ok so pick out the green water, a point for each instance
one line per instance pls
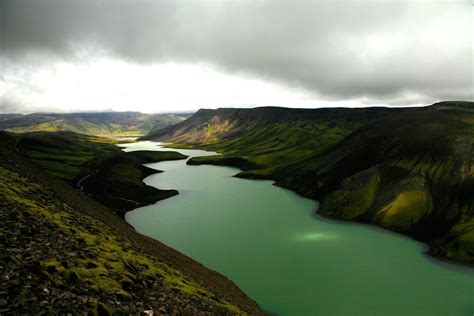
(268, 241)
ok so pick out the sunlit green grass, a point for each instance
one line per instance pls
(66, 155)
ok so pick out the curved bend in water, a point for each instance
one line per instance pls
(268, 242)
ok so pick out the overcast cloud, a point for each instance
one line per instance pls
(232, 53)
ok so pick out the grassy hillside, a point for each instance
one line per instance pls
(268, 137)
(67, 155)
(117, 182)
(412, 173)
(97, 167)
(62, 252)
(100, 124)
(207, 126)
(408, 170)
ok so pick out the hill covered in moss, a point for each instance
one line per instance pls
(408, 170)
(96, 166)
(269, 137)
(64, 253)
(412, 173)
(117, 182)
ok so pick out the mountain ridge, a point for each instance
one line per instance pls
(130, 123)
(228, 122)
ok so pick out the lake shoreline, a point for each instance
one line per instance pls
(432, 251)
(117, 182)
(130, 204)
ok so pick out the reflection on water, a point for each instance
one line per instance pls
(315, 236)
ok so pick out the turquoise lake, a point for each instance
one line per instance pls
(269, 241)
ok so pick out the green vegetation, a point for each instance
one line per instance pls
(408, 208)
(458, 243)
(272, 146)
(220, 160)
(146, 156)
(408, 170)
(98, 167)
(117, 182)
(356, 197)
(269, 138)
(67, 155)
(264, 151)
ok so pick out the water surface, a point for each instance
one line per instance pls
(268, 241)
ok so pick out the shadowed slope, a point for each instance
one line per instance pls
(98, 167)
(117, 182)
(412, 173)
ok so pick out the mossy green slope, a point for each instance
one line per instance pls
(117, 181)
(67, 155)
(411, 173)
(424, 165)
(98, 167)
(62, 252)
(268, 138)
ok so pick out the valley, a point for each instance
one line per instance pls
(244, 158)
(408, 170)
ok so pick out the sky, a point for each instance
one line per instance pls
(170, 56)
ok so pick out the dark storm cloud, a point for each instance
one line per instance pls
(394, 52)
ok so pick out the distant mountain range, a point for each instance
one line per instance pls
(410, 170)
(100, 123)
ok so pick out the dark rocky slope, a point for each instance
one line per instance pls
(117, 182)
(62, 252)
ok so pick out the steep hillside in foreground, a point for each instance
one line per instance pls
(100, 123)
(410, 171)
(62, 252)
